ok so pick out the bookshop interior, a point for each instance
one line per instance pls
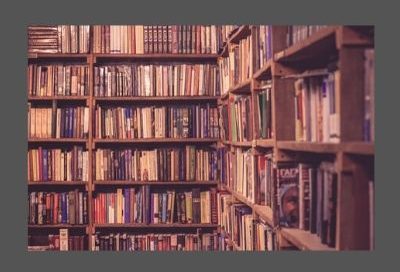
(200, 137)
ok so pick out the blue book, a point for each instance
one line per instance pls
(164, 207)
(127, 210)
(64, 208)
(152, 208)
(44, 168)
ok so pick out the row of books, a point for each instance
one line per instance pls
(240, 177)
(52, 208)
(163, 164)
(263, 112)
(139, 205)
(63, 241)
(153, 39)
(156, 80)
(369, 95)
(246, 232)
(61, 122)
(58, 39)
(196, 121)
(158, 242)
(298, 33)
(237, 67)
(58, 164)
(241, 118)
(224, 122)
(304, 195)
(58, 80)
(262, 41)
(316, 108)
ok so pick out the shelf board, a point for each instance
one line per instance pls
(265, 213)
(239, 197)
(359, 148)
(149, 226)
(172, 57)
(240, 34)
(242, 144)
(226, 142)
(57, 140)
(157, 140)
(264, 71)
(241, 88)
(59, 98)
(318, 44)
(265, 143)
(125, 182)
(309, 147)
(158, 98)
(56, 226)
(304, 240)
(57, 183)
(56, 56)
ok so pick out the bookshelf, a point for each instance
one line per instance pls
(353, 158)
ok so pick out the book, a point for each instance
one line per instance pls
(263, 111)
(240, 119)
(369, 95)
(298, 33)
(288, 194)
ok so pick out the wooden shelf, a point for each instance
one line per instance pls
(241, 88)
(318, 44)
(265, 213)
(57, 183)
(149, 226)
(157, 140)
(54, 140)
(240, 34)
(359, 148)
(309, 147)
(157, 98)
(265, 143)
(168, 57)
(242, 144)
(183, 183)
(56, 56)
(61, 226)
(238, 196)
(304, 240)
(59, 98)
(265, 71)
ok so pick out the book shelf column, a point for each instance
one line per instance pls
(90, 146)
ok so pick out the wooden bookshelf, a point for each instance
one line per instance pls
(351, 155)
(304, 240)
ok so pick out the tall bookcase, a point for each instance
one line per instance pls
(93, 186)
(353, 158)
